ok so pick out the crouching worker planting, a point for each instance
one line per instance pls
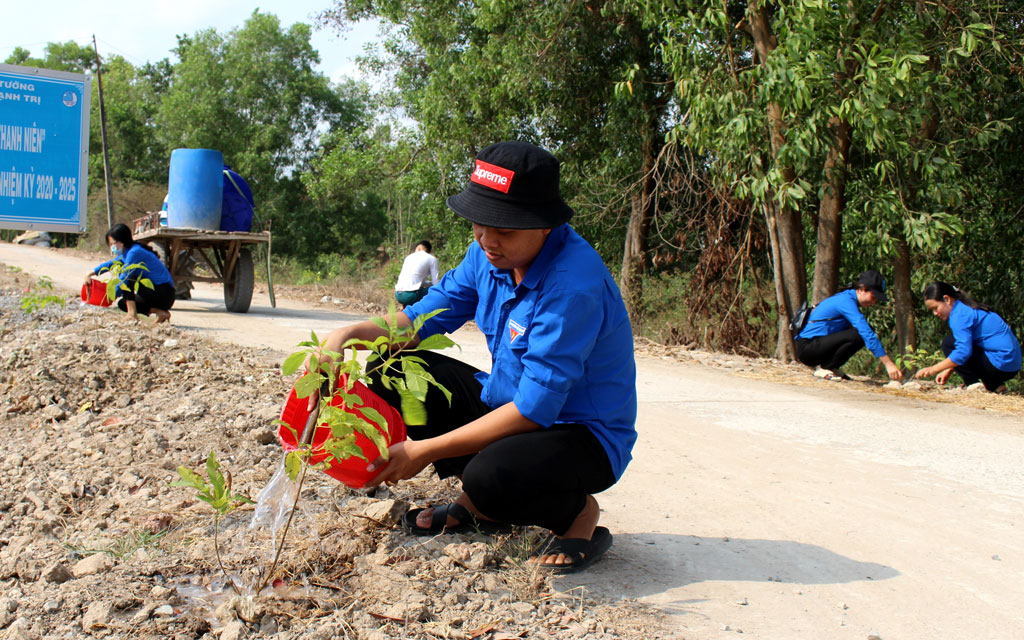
(552, 424)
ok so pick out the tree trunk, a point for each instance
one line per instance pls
(634, 256)
(643, 203)
(788, 245)
(784, 348)
(830, 213)
(906, 331)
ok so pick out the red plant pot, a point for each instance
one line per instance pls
(352, 471)
(95, 293)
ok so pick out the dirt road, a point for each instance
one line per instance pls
(771, 510)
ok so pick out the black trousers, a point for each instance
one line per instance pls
(161, 296)
(538, 478)
(831, 351)
(978, 367)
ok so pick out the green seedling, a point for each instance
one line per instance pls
(393, 364)
(117, 269)
(216, 492)
(916, 359)
(40, 296)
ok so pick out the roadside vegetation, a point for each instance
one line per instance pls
(728, 160)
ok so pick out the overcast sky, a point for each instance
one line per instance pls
(144, 31)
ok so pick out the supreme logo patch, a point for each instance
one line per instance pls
(492, 176)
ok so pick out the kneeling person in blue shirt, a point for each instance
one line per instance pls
(553, 422)
(836, 328)
(981, 347)
(134, 297)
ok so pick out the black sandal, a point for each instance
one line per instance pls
(581, 552)
(466, 522)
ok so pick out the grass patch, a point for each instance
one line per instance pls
(122, 546)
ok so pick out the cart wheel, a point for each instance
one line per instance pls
(238, 291)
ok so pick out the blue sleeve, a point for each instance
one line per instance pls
(961, 324)
(456, 293)
(104, 267)
(562, 336)
(851, 311)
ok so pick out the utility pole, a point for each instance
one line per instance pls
(103, 136)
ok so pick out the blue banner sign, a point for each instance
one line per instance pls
(44, 149)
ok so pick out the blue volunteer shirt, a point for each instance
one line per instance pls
(838, 313)
(561, 343)
(987, 331)
(137, 254)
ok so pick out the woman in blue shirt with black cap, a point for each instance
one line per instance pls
(981, 346)
(552, 423)
(836, 329)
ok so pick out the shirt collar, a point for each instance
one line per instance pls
(552, 246)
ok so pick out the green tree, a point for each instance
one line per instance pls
(581, 80)
(59, 56)
(815, 110)
(253, 94)
(132, 100)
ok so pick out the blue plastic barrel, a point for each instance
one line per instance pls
(195, 188)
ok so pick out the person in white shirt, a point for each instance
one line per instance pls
(419, 272)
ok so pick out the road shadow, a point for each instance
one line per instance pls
(646, 564)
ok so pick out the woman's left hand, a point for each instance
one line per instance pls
(943, 376)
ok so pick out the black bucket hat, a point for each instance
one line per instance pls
(875, 282)
(514, 185)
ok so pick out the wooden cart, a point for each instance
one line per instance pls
(223, 254)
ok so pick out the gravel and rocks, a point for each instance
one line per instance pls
(97, 415)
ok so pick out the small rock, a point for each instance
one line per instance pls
(265, 436)
(170, 343)
(157, 522)
(474, 555)
(54, 412)
(742, 602)
(96, 563)
(51, 606)
(21, 629)
(129, 479)
(143, 614)
(268, 625)
(159, 592)
(894, 384)
(522, 610)
(913, 385)
(57, 573)
(97, 615)
(386, 512)
(233, 630)
(874, 636)
(164, 611)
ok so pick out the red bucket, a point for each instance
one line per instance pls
(95, 293)
(352, 471)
